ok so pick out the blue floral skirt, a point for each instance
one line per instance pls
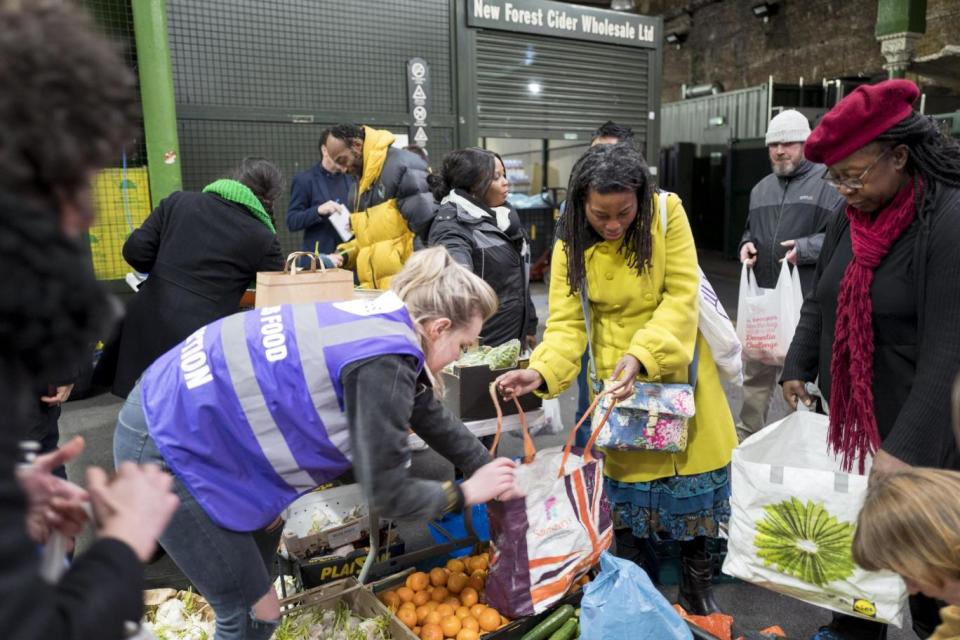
(679, 507)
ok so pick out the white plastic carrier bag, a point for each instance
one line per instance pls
(767, 318)
(793, 516)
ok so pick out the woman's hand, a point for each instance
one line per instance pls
(492, 480)
(518, 383)
(794, 391)
(624, 375)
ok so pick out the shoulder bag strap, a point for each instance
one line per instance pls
(662, 209)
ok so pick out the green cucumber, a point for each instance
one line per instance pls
(567, 632)
(551, 623)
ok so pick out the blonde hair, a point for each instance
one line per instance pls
(910, 524)
(433, 285)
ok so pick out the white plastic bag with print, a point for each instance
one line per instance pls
(767, 318)
(793, 516)
(714, 322)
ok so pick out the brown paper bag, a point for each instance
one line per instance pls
(292, 287)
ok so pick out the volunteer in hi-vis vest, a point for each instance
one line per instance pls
(258, 408)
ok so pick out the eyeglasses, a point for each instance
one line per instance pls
(853, 184)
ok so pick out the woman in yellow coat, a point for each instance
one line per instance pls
(643, 291)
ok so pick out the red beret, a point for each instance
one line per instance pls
(859, 118)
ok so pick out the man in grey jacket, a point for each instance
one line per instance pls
(789, 212)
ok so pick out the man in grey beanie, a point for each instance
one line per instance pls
(789, 212)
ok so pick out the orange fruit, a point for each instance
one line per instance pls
(431, 632)
(477, 609)
(477, 581)
(450, 626)
(468, 634)
(432, 618)
(438, 577)
(470, 623)
(456, 582)
(390, 599)
(405, 594)
(432, 605)
(439, 594)
(489, 620)
(417, 581)
(421, 597)
(422, 612)
(456, 566)
(453, 601)
(504, 620)
(469, 597)
(408, 617)
(444, 610)
(416, 631)
(477, 563)
(462, 612)
(584, 579)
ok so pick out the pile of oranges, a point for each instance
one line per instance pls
(447, 602)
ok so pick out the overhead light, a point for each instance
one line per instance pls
(716, 121)
(676, 37)
(765, 10)
(623, 5)
(534, 88)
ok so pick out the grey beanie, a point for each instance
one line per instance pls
(788, 126)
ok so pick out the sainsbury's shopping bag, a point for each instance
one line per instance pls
(543, 542)
(793, 515)
(767, 318)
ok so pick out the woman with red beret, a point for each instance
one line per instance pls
(881, 326)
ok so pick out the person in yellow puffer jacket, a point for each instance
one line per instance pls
(393, 201)
(642, 284)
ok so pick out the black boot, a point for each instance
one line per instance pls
(696, 575)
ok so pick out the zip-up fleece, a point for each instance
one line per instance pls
(798, 208)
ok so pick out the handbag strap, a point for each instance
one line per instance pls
(587, 448)
(529, 451)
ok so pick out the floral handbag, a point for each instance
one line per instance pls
(653, 418)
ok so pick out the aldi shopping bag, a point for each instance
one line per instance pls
(543, 542)
(297, 287)
(767, 318)
(622, 604)
(793, 515)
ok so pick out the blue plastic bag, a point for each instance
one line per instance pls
(622, 604)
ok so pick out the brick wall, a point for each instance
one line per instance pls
(813, 39)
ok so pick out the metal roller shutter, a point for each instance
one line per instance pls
(582, 84)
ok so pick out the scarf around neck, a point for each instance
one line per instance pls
(474, 210)
(241, 194)
(853, 423)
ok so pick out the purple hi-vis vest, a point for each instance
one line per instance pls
(248, 411)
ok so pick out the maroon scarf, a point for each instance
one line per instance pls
(853, 423)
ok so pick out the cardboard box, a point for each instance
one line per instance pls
(325, 569)
(467, 393)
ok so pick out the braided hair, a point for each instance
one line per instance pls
(607, 169)
(934, 157)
